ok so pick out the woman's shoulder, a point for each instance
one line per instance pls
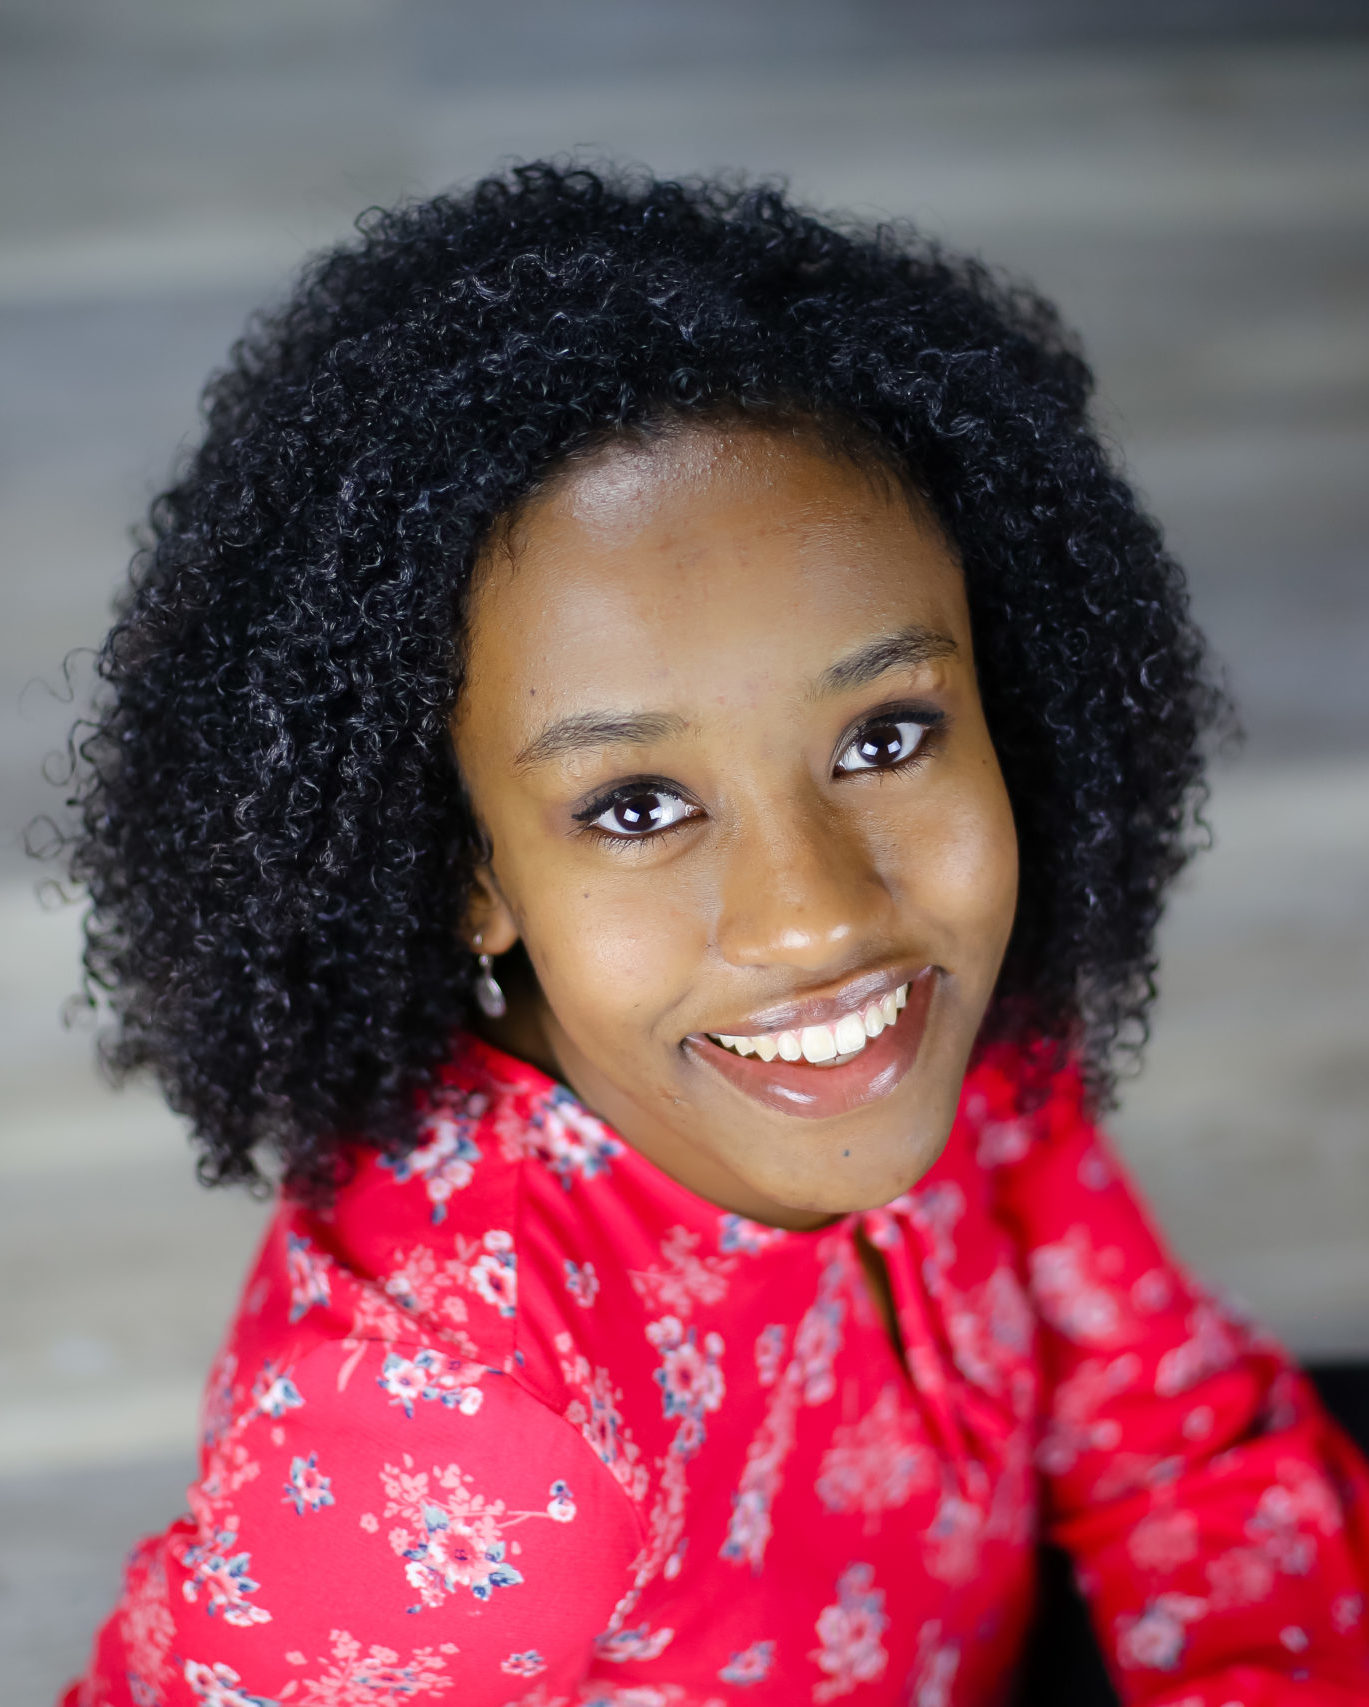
(1019, 1100)
(474, 1250)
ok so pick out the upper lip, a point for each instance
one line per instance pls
(800, 1011)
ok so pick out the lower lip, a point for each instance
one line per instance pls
(817, 1092)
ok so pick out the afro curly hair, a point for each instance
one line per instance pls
(270, 824)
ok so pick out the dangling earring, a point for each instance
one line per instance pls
(489, 997)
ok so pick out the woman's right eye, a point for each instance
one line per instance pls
(637, 812)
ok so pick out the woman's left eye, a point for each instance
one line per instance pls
(882, 745)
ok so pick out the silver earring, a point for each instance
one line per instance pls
(489, 998)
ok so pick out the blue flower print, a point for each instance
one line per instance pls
(275, 1394)
(308, 1274)
(307, 1489)
(751, 1665)
(568, 1138)
(446, 1157)
(430, 1375)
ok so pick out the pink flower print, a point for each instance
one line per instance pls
(561, 1505)
(217, 1686)
(526, 1664)
(451, 1545)
(1155, 1639)
(872, 1465)
(1002, 1142)
(220, 1399)
(431, 1375)
(223, 1579)
(1301, 1496)
(495, 1274)
(951, 1545)
(568, 1139)
(1152, 1292)
(1164, 1540)
(1094, 1172)
(1346, 1612)
(274, 1394)
(308, 1273)
(582, 1283)
(451, 1537)
(769, 1353)
(851, 1633)
(374, 1678)
(1240, 1577)
(690, 1378)
(597, 1417)
(751, 1665)
(807, 1379)
(749, 1527)
(419, 1288)
(1069, 1292)
(736, 1233)
(146, 1626)
(937, 1664)
(1074, 1426)
(307, 1489)
(934, 1211)
(686, 1279)
(1299, 1502)
(990, 1330)
(1211, 1347)
(446, 1155)
(817, 1341)
(643, 1643)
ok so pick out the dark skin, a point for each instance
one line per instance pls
(709, 623)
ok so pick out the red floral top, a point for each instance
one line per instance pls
(521, 1420)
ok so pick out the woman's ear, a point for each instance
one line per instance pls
(488, 916)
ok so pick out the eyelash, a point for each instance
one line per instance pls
(932, 723)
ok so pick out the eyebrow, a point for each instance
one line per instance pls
(595, 729)
(905, 650)
(586, 730)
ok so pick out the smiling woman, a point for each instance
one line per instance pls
(643, 756)
(722, 730)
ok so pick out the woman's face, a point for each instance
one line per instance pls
(721, 725)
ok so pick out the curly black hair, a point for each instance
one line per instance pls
(269, 820)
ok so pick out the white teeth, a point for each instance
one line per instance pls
(849, 1033)
(818, 1043)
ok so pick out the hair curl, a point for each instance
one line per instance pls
(270, 826)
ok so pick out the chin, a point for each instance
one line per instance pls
(848, 1186)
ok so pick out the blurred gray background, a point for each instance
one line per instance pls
(1189, 180)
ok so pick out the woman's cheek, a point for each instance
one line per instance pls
(959, 869)
(615, 953)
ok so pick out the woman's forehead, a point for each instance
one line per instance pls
(723, 549)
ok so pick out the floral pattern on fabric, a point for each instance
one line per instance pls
(520, 1422)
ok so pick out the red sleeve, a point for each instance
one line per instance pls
(1218, 1519)
(384, 1522)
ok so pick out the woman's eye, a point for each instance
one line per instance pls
(638, 812)
(882, 745)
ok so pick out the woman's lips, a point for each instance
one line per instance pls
(818, 1092)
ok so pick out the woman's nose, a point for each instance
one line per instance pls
(801, 890)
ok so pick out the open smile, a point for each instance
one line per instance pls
(826, 1069)
(833, 1045)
